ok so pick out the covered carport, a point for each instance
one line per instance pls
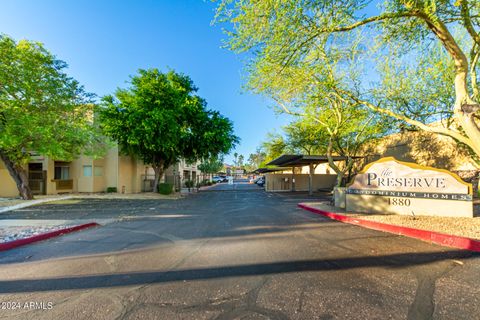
(324, 181)
(269, 170)
(264, 171)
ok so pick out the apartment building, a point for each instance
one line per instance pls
(85, 174)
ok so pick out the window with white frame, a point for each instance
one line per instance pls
(62, 171)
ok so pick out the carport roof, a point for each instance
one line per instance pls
(295, 160)
(267, 170)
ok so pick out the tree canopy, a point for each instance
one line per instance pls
(211, 165)
(161, 120)
(42, 110)
(415, 61)
(255, 160)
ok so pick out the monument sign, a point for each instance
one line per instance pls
(392, 186)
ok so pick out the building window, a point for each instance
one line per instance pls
(98, 171)
(62, 172)
(87, 171)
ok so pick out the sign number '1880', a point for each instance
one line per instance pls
(399, 202)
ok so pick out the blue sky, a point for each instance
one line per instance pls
(106, 41)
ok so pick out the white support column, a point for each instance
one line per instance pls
(310, 179)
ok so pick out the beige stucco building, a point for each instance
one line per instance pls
(423, 148)
(124, 174)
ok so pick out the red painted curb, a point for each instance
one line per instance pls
(429, 236)
(44, 236)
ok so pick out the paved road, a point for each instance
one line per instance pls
(238, 254)
(237, 186)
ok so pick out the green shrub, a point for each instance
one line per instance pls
(189, 184)
(111, 189)
(165, 188)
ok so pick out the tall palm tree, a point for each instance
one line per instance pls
(235, 161)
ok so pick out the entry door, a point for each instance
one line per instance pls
(37, 178)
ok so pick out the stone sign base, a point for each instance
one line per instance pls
(405, 206)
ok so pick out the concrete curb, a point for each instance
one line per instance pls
(44, 236)
(32, 203)
(442, 239)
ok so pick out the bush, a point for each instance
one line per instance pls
(165, 188)
(189, 184)
(111, 189)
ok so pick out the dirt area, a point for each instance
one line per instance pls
(465, 227)
(139, 196)
(7, 202)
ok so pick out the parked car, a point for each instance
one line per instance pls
(224, 178)
(217, 179)
(261, 181)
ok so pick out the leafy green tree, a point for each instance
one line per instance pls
(211, 165)
(255, 160)
(340, 129)
(274, 146)
(161, 120)
(299, 137)
(359, 52)
(344, 128)
(42, 110)
(306, 137)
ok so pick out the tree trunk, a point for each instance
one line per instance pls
(332, 164)
(158, 169)
(465, 108)
(19, 176)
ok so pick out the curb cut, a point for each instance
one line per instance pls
(442, 239)
(21, 242)
(33, 202)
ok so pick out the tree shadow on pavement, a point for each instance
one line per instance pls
(153, 277)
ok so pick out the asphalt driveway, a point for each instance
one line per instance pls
(239, 253)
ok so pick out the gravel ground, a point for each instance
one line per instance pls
(465, 227)
(8, 234)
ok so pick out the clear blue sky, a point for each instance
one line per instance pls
(106, 41)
